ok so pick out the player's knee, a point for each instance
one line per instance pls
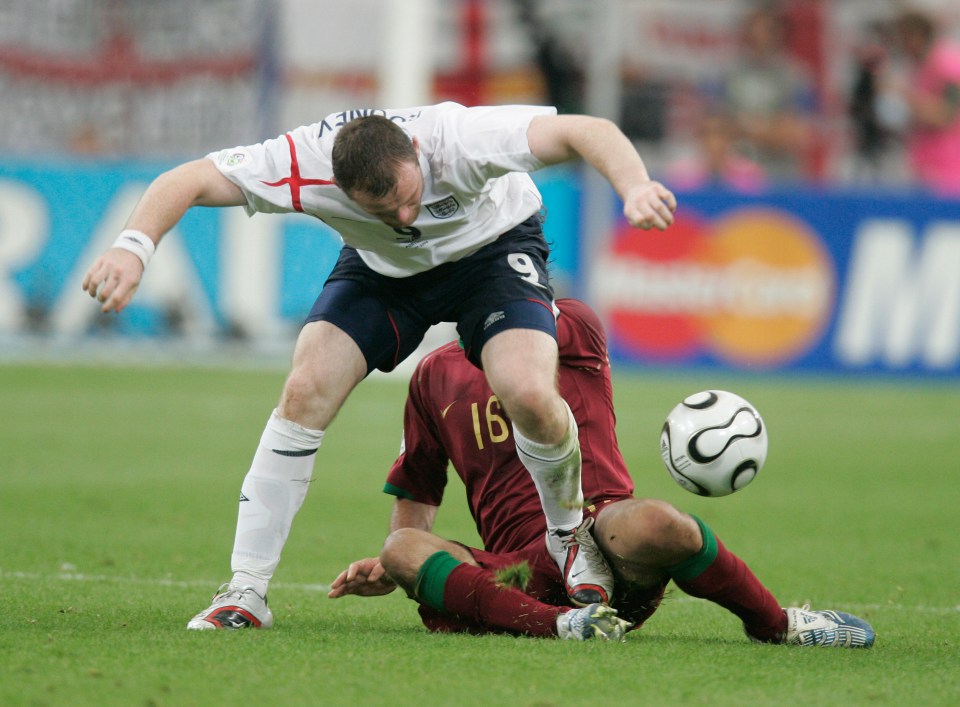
(666, 528)
(300, 391)
(537, 410)
(650, 528)
(527, 396)
(309, 399)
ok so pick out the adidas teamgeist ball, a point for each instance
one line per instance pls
(713, 443)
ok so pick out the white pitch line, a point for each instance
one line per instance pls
(73, 576)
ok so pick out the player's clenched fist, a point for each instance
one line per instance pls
(113, 278)
(650, 205)
(115, 275)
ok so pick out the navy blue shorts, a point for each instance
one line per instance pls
(504, 285)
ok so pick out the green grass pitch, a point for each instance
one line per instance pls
(118, 496)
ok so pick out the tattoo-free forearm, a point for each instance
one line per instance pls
(411, 514)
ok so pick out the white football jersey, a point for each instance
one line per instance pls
(476, 187)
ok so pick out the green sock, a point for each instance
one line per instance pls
(432, 578)
(693, 567)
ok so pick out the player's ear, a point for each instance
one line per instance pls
(416, 145)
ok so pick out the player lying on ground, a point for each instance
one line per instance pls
(440, 222)
(451, 414)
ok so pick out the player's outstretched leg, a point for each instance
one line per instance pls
(272, 493)
(593, 621)
(233, 608)
(521, 367)
(586, 574)
(826, 628)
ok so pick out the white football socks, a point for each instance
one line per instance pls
(555, 470)
(272, 493)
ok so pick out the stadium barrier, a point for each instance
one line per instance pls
(845, 282)
(806, 280)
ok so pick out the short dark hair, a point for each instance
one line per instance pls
(366, 154)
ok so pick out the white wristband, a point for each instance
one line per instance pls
(138, 243)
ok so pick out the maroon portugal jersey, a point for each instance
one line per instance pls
(451, 415)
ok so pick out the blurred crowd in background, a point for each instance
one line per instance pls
(739, 93)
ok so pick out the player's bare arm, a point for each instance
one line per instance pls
(115, 275)
(559, 138)
(412, 514)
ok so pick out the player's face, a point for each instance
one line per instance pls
(401, 207)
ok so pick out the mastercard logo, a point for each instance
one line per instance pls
(753, 287)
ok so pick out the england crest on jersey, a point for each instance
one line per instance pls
(445, 208)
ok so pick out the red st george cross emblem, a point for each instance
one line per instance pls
(295, 180)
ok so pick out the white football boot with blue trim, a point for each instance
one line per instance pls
(827, 628)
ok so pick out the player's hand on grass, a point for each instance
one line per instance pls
(649, 205)
(363, 578)
(113, 279)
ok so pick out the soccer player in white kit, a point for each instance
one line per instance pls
(440, 222)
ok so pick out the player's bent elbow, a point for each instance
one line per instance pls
(403, 553)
